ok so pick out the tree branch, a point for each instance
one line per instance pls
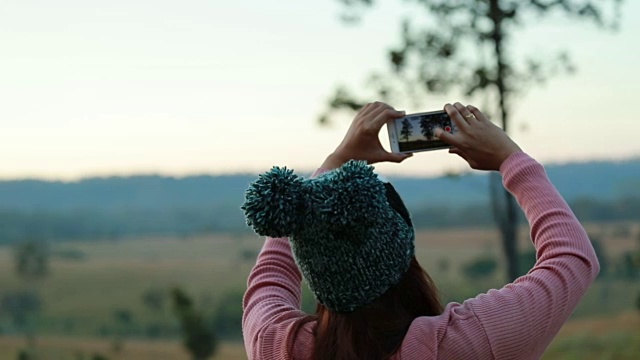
(578, 9)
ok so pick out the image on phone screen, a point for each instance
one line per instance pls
(415, 132)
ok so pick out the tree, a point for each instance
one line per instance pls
(467, 47)
(526, 261)
(20, 306)
(198, 336)
(426, 127)
(228, 315)
(123, 325)
(627, 266)
(32, 259)
(154, 299)
(407, 128)
(603, 258)
(480, 268)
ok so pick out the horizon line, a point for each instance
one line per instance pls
(251, 172)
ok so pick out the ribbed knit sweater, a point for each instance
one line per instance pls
(517, 321)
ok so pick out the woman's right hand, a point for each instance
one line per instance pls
(478, 141)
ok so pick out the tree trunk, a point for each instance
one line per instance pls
(501, 198)
(505, 215)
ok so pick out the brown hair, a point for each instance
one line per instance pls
(376, 330)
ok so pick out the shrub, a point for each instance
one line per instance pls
(626, 267)
(198, 338)
(481, 267)
(228, 315)
(154, 299)
(526, 261)
(19, 306)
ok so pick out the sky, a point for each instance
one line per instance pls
(96, 88)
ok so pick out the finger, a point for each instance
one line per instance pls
(477, 113)
(447, 137)
(386, 116)
(380, 106)
(375, 109)
(456, 117)
(367, 109)
(468, 115)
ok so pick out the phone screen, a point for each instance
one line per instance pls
(415, 132)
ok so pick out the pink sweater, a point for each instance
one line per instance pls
(516, 322)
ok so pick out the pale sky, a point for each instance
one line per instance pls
(126, 87)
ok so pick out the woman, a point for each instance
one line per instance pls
(351, 237)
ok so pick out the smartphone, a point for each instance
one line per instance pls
(415, 132)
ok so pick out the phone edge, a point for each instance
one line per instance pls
(393, 138)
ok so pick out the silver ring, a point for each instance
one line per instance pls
(469, 116)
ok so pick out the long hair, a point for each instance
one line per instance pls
(376, 330)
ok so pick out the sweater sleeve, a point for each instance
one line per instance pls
(272, 302)
(520, 320)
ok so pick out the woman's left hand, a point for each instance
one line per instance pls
(361, 141)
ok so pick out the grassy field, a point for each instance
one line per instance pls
(62, 348)
(599, 338)
(80, 296)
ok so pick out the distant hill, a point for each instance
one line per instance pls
(603, 181)
(139, 192)
(121, 206)
(597, 180)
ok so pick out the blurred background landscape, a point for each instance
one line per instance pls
(129, 132)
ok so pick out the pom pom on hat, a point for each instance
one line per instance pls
(273, 203)
(352, 196)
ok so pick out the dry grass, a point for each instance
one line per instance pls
(114, 275)
(600, 338)
(596, 338)
(59, 348)
(600, 326)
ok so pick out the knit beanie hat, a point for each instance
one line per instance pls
(349, 243)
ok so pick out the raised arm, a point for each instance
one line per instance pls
(520, 320)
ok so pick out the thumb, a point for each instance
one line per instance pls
(397, 158)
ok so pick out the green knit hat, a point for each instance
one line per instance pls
(350, 244)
